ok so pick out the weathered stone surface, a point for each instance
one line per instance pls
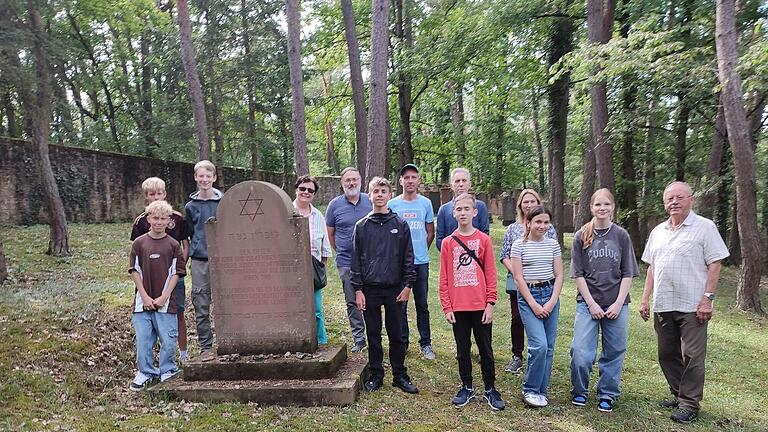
(324, 363)
(508, 208)
(342, 389)
(261, 273)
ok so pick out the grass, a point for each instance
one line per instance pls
(67, 358)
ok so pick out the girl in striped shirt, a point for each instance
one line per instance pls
(537, 266)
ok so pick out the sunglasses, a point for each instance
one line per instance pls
(306, 189)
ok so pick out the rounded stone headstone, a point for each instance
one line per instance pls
(261, 273)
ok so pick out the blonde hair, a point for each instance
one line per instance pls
(523, 193)
(153, 184)
(379, 181)
(159, 208)
(466, 196)
(588, 229)
(205, 164)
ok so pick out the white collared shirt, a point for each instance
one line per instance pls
(680, 258)
(318, 234)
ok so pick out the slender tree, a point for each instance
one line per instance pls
(3, 265)
(297, 87)
(726, 41)
(37, 111)
(356, 81)
(377, 114)
(193, 81)
(404, 31)
(600, 16)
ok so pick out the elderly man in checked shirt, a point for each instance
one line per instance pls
(683, 256)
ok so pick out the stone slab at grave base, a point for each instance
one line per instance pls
(341, 389)
(323, 363)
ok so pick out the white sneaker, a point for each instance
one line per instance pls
(534, 400)
(167, 375)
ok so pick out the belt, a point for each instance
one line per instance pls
(541, 284)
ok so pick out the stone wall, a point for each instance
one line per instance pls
(98, 186)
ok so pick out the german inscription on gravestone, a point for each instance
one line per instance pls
(261, 273)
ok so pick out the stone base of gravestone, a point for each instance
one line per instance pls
(343, 388)
(323, 363)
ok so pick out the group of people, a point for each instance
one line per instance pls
(382, 255)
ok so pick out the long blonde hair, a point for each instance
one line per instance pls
(523, 193)
(588, 229)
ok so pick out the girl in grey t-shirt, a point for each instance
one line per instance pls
(603, 264)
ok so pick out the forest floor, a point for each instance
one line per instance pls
(67, 358)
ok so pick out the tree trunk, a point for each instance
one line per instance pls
(333, 161)
(707, 203)
(600, 16)
(588, 176)
(683, 113)
(146, 96)
(403, 29)
(3, 265)
(297, 88)
(193, 81)
(38, 110)
(377, 114)
(561, 43)
(539, 145)
(724, 196)
(457, 119)
(356, 80)
(726, 41)
(250, 130)
(649, 172)
(498, 169)
(10, 114)
(628, 189)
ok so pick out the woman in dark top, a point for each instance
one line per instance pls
(603, 264)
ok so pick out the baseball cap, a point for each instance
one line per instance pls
(407, 167)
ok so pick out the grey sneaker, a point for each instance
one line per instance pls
(515, 365)
(427, 352)
(359, 347)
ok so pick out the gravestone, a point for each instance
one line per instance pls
(266, 332)
(508, 208)
(261, 273)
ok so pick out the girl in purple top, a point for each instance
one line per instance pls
(603, 264)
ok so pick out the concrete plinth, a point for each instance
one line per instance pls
(323, 363)
(340, 389)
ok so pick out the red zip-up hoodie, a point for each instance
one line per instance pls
(464, 286)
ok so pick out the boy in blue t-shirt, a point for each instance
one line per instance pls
(417, 211)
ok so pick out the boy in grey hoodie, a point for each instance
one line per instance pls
(202, 206)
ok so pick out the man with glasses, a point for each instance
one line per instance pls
(340, 218)
(683, 256)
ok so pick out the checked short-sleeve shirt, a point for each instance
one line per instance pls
(680, 258)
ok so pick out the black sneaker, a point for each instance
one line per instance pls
(373, 384)
(605, 405)
(494, 400)
(359, 347)
(668, 403)
(405, 385)
(463, 397)
(515, 365)
(684, 415)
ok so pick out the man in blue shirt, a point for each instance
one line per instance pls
(417, 211)
(446, 223)
(340, 218)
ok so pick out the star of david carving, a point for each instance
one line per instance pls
(251, 207)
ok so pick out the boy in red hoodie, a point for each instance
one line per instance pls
(467, 295)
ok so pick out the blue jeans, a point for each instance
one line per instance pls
(584, 351)
(151, 326)
(322, 336)
(420, 290)
(542, 334)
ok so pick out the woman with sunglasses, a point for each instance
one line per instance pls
(306, 189)
(526, 200)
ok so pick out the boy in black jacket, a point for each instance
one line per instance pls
(383, 274)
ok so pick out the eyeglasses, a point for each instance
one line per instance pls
(676, 198)
(306, 189)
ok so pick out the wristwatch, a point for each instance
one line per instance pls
(710, 296)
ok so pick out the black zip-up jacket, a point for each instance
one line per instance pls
(382, 253)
